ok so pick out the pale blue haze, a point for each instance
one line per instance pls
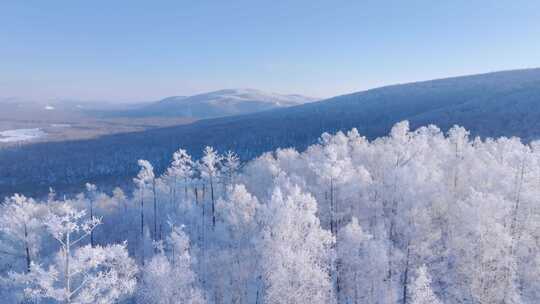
(143, 50)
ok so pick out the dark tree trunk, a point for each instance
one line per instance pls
(155, 209)
(213, 203)
(27, 249)
(406, 277)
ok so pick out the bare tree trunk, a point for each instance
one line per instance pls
(185, 188)
(513, 226)
(204, 191)
(332, 223)
(203, 229)
(406, 277)
(355, 287)
(257, 295)
(27, 249)
(142, 226)
(91, 217)
(142, 214)
(67, 271)
(213, 203)
(173, 194)
(515, 211)
(155, 209)
(390, 274)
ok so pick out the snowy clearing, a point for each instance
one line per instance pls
(21, 135)
(60, 125)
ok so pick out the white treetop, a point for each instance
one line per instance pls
(168, 277)
(21, 224)
(210, 163)
(79, 275)
(296, 251)
(181, 166)
(145, 175)
(231, 164)
(421, 289)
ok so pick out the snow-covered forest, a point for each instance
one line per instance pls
(416, 217)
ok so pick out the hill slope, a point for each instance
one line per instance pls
(494, 104)
(218, 104)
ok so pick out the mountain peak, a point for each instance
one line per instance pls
(225, 102)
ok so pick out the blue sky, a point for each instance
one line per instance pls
(144, 50)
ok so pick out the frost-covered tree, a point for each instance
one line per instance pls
(296, 251)
(487, 263)
(361, 260)
(239, 214)
(421, 289)
(181, 168)
(79, 274)
(120, 197)
(168, 277)
(238, 211)
(91, 190)
(21, 227)
(332, 169)
(209, 167)
(144, 179)
(231, 164)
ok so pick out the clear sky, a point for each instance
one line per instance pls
(145, 50)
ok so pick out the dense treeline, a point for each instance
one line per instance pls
(414, 217)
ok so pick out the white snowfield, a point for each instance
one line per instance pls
(60, 125)
(21, 135)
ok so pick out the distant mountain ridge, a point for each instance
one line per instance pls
(489, 105)
(218, 104)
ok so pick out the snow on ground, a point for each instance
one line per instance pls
(21, 135)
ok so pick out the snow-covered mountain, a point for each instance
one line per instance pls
(219, 103)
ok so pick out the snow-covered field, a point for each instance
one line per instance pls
(60, 125)
(21, 135)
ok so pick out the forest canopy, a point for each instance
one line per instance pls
(418, 216)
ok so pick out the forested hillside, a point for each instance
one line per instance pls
(489, 105)
(415, 217)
